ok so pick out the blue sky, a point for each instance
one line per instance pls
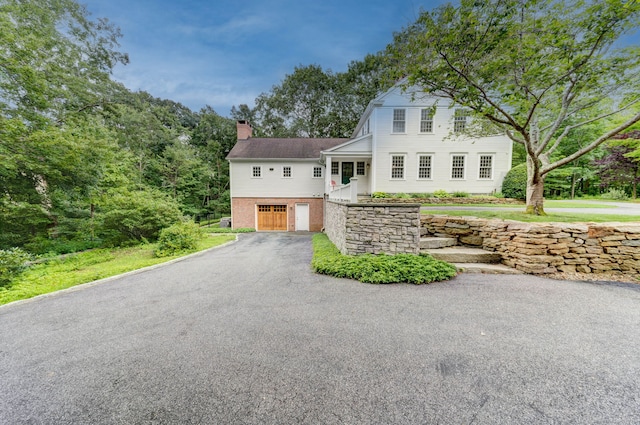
(225, 52)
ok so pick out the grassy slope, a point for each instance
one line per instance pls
(89, 266)
(549, 218)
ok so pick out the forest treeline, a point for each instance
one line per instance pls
(86, 162)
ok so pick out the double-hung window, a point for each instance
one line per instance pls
(360, 168)
(426, 120)
(457, 167)
(460, 120)
(317, 172)
(256, 171)
(286, 172)
(425, 167)
(485, 171)
(397, 167)
(399, 120)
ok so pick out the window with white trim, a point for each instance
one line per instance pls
(399, 120)
(317, 172)
(424, 166)
(397, 167)
(335, 168)
(485, 170)
(286, 172)
(256, 171)
(460, 120)
(426, 120)
(457, 167)
(360, 168)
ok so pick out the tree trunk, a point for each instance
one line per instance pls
(535, 190)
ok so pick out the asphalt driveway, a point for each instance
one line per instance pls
(246, 334)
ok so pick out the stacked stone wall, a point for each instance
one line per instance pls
(381, 228)
(540, 248)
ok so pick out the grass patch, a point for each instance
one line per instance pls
(382, 268)
(529, 218)
(88, 266)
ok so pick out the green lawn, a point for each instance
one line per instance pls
(89, 266)
(547, 204)
(550, 217)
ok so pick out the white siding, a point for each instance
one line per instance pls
(440, 144)
(272, 184)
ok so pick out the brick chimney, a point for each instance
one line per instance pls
(244, 130)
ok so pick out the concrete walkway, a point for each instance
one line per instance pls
(247, 334)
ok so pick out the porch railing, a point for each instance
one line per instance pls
(345, 193)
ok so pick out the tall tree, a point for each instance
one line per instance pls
(537, 70)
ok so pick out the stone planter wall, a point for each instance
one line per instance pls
(444, 201)
(540, 248)
(381, 228)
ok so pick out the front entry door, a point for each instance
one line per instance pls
(347, 172)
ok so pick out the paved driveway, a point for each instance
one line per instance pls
(247, 335)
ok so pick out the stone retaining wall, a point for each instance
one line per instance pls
(540, 248)
(365, 228)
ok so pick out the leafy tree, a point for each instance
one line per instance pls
(537, 70)
(617, 169)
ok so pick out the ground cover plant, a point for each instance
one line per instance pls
(369, 268)
(65, 272)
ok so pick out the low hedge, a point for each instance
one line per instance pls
(369, 268)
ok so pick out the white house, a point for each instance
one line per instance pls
(402, 144)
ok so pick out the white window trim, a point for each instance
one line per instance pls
(433, 115)
(404, 166)
(493, 166)
(290, 172)
(460, 113)
(364, 169)
(393, 120)
(464, 170)
(313, 172)
(252, 174)
(418, 166)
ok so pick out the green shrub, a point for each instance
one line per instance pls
(383, 268)
(178, 238)
(440, 193)
(137, 216)
(616, 195)
(380, 195)
(420, 195)
(460, 194)
(12, 262)
(230, 230)
(401, 196)
(514, 184)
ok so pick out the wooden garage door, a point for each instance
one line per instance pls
(272, 217)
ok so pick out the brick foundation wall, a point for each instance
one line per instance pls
(539, 248)
(243, 211)
(381, 228)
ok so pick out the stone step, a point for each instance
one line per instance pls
(435, 243)
(485, 268)
(461, 254)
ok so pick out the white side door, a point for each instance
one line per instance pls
(302, 217)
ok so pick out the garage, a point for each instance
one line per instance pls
(272, 217)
